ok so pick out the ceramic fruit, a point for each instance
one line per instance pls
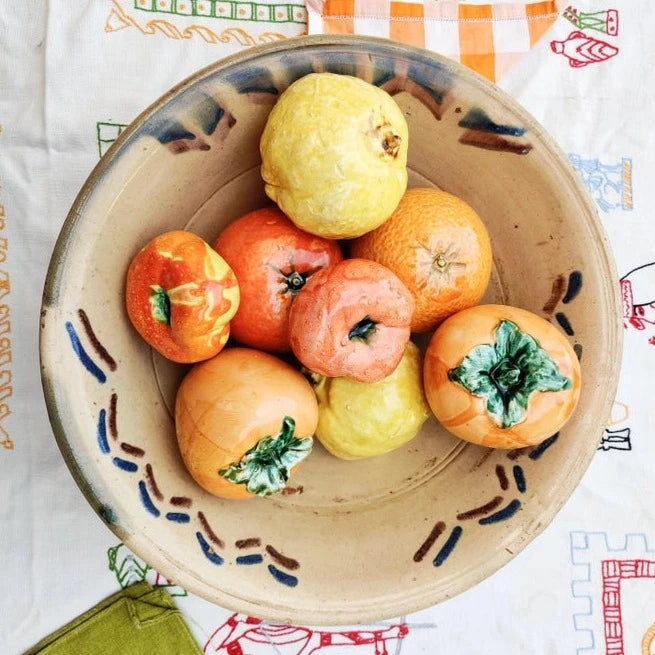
(272, 260)
(501, 376)
(334, 155)
(351, 320)
(363, 419)
(180, 296)
(439, 247)
(244, 420)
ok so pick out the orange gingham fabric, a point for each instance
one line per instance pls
(489, 38)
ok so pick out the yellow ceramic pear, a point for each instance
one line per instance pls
(334, 155)
(363, 419)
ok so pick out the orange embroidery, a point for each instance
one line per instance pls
(119, 19)
(648, 641)
(6, 388)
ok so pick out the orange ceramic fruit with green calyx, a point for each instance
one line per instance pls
(244, 420)
(501, 376)
(272, 260)
(439, 247)
(180, 296)
(351, 320)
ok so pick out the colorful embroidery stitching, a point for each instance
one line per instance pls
(601, 602)
(582, 49)
(118, 19)
(228, 9)
(609, 184)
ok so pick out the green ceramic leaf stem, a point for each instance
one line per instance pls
(265, 468)
(507, 372)
(160, 304)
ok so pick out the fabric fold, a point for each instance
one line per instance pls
(138, 620)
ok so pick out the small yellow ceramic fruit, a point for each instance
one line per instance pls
(360, 419)
(334, 155)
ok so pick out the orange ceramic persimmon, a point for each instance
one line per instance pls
(180, 296)
(272, 259)
(439, 247)
(244, 420)
(352, 320)
(500, 376)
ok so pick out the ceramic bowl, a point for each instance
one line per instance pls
(348, 541)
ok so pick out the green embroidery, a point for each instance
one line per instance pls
(264, 469)
(605, 21)
(229, 10)
(106, 134)
(160, 305)
(508, 372)
(129, 570)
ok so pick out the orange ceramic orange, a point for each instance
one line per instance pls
(180, 296)
(244, 420)
(272, 259)
(439, 247)
(352, 320)
(501, 376)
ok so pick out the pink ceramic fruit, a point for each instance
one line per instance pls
(352, 320)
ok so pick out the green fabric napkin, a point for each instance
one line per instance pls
(138, 620)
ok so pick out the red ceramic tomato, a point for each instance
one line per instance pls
(272, 260)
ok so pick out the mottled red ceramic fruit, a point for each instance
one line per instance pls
(352, 320)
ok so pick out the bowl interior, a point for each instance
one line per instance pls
(349, 541)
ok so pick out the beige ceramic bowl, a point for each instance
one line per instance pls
(350, 541)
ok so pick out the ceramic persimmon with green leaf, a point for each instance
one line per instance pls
(244, 420)
(180, 295)
(501, 376)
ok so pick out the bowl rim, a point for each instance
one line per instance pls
(394, 604)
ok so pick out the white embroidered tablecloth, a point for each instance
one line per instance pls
(73, 74)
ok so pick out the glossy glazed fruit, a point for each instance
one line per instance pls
(180, 296)
(352, 320)
(244, 420)
(439, 247)
(360, 419)
(334, 155)
(501, 376)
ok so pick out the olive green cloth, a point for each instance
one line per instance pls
(138, 620)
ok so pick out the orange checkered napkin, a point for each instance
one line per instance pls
(489, 38)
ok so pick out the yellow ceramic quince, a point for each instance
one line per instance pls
(360, 419)
(334, 155)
